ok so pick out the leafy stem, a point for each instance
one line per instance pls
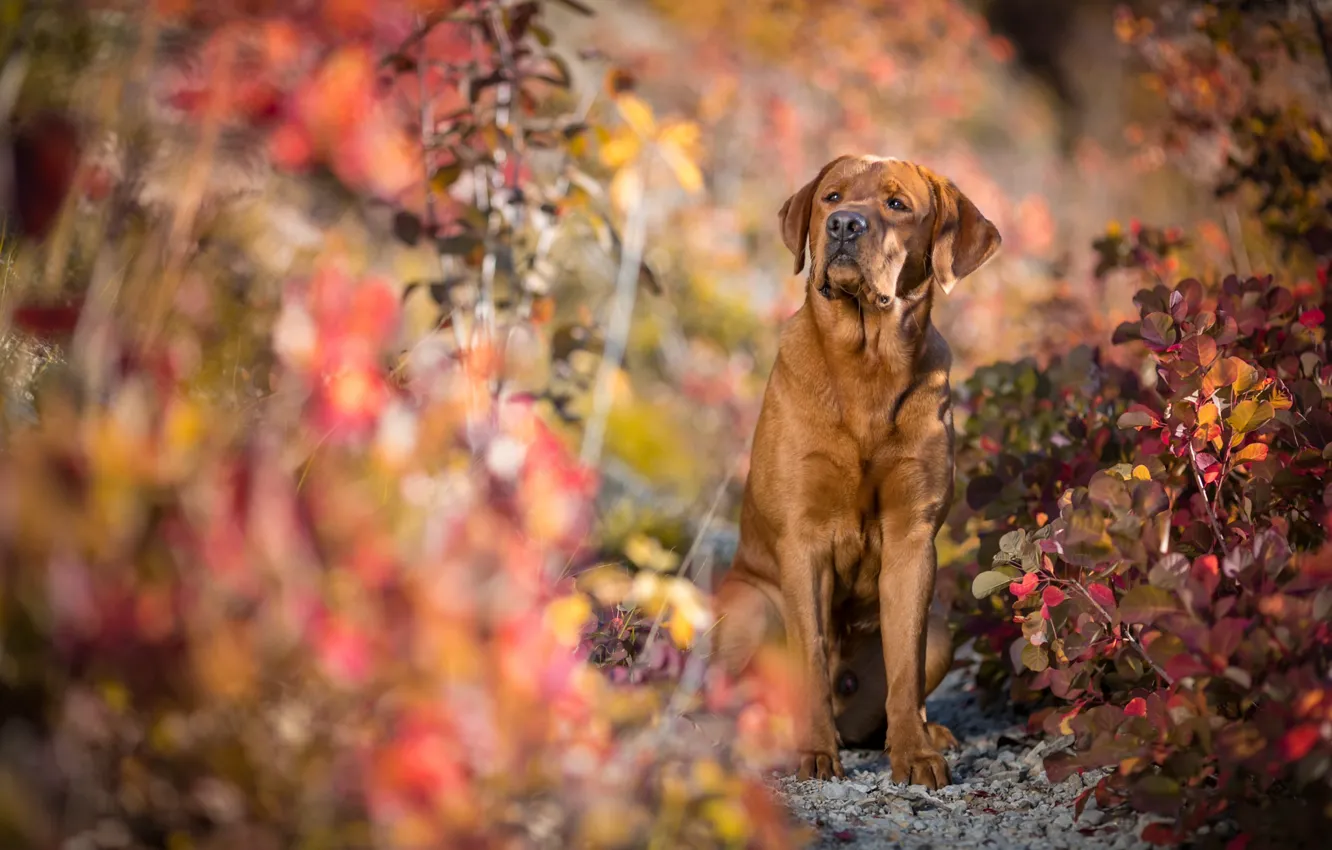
(1202, 488)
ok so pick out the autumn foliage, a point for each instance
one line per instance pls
(1158, 553)
(294, 543)
(326, 402)
(1152, 569)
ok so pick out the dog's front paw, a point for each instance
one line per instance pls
(921, 765)
(820, 765)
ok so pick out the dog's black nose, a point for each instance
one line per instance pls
(846, 226)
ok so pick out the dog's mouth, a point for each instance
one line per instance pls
(842, 275)
(842, 256)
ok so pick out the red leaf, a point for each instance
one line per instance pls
(1160, 833)
(1052, 596)
(48, 321)
(1137, 707)
(1103, 595)
(1022, 588)
(1311, 318)
(1239, 842)
(1299, 741)
(1208, 466)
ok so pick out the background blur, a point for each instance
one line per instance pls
(338, 338)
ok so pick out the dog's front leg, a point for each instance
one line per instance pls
(906, 583)
(807, 595)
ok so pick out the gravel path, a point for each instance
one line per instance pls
(1000, 798)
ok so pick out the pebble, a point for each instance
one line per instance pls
(1000, 796)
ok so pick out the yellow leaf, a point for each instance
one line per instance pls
(1317, 146)
(566, 617)
(1207, 414)
(621, 148)
(1142, 473)
(609, 584)
(687, 173)
(1248, 377)
(115, 696)
(709, 776)
(647, 592)
(681, 630)
(1065, 724)
(648, 553)
(729, 820)
(680, 134)
(636, 114)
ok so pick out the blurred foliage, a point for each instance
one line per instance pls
(379, 381)
(295, 537)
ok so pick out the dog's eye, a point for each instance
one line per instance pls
(833, 197)
(898, 204)
(847, 683)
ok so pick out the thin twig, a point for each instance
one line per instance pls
(705, 526)
(622, 310)
(1239, 251)
(1128, 636)
(1202, 488)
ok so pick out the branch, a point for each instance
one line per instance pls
(622, 310)
(1128, 636)
(1323, 40)
(1202, 488)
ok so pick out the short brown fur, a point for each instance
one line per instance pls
(852, 466)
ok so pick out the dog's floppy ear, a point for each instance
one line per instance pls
(963, 239)
(794, 215)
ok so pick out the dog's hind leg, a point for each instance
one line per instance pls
(747, 619)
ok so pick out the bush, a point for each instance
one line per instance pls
(1158, 577)
(276, 571)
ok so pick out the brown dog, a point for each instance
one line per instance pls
(852, 469)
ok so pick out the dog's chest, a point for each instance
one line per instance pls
(889, 473)
(858, 537)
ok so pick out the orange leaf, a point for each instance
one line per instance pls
(1252, 452)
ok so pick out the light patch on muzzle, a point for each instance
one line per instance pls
(884, 284)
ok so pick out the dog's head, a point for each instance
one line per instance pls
(880, 228)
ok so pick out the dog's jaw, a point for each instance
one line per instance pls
(843, 274)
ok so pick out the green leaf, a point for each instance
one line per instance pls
(1011, 543)
(1030, 556)
(1169, 572)
(989, 583)
(1136, 419)
(1144, 603)
(445, 177)
(1157, 793)
(1035, 658)
(1250, 415)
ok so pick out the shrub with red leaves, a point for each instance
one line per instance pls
(1156, 573)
